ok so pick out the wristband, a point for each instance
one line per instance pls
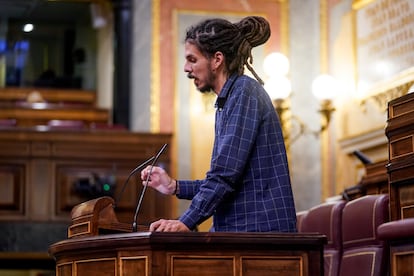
(176, 187)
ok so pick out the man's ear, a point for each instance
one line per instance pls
(218, 60)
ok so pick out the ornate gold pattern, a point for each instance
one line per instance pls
(325, 167)
(381, 99)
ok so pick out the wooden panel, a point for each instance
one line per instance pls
(401, 171)
(104, 148)
(277, 265)
(68, 174)
(401, 183)
(64, 269)
(49, 163)
(406, 201)
(376, 179)
(96, 267)
(400, 133)
(403, 264)
(401, 147)
(12, 183)
(154, 204)
(400, 106)
(183, 265)
(12, 147)
(402, 259)
(137, 264)
(400, 126)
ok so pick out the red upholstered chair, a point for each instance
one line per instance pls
(326, 219)
(107, 127)
(400, 236)
(299, 217)
(6, 123)
(66, 124)
(363, 252)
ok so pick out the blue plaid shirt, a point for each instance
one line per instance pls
(247, 188)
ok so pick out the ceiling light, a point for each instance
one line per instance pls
(27, 28)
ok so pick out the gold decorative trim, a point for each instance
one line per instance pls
(411, 252)
(326, 189)
(155, 68)
(331, 226)
(381, 99)
(122, 259)
(95, 260)
(185, 256)
(363, 253)
(328, 257)
(284, 26)
(300, 258)
(358, 4)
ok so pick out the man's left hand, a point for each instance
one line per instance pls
(164, 225)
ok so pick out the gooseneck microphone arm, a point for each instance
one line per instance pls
(140, 166)
(134, 224)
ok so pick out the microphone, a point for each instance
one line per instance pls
(362, 157)
(129, 176)
(134, 224)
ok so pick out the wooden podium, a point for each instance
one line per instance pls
(190, 253)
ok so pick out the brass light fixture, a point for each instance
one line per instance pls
(276, 67)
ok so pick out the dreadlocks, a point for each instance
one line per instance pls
(235, 41)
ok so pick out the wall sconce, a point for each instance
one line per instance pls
(324, 88)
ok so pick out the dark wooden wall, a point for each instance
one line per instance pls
(47, 169)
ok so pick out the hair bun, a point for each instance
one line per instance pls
(256, 30)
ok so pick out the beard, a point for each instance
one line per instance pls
(208, 85)
(205, 89)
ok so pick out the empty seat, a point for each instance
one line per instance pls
(107, 126)
(5, 123)
(363, 252)
(326, 219)
(66, 124)
(399, 234)
(299, 217)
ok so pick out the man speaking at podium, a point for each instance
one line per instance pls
(247, 188)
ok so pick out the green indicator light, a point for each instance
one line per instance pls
(106, 187)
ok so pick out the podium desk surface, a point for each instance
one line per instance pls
(166, 239)
(203, 253)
